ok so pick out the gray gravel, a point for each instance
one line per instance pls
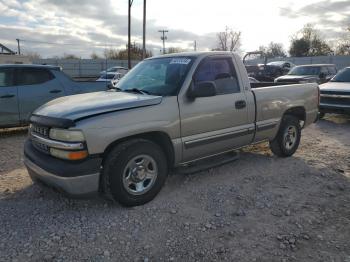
(259, 208)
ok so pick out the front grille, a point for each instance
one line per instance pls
(41, 147)
(42, 131)
(335, 100)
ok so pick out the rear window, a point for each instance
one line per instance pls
(33, 76)
(6, 77)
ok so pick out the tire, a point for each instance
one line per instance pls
(134, 172)
(289, 129)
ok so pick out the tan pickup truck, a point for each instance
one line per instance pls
(168, 111)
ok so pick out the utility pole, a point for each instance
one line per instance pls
(144, 31)
(129, 30)
(195, 45)
(163, 37)
(18, 47)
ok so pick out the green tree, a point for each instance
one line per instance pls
(273, 50)
(309, 42)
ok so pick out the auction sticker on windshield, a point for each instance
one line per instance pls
(181, 61)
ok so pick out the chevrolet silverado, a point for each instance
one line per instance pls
(168, 111)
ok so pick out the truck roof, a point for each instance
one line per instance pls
(194, 54)
(31, 66)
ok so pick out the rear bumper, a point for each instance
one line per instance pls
(73, 178)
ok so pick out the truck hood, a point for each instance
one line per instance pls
(84, 105)
(293, 78)
(336, 87)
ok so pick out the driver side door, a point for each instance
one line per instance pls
(212, 125)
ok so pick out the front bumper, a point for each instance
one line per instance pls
(334, 108)
(73, 178)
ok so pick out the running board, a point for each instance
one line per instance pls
(207, 163)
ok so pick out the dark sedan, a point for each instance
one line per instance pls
(320, 73)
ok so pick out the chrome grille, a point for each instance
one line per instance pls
(40, 130)
(43, 132)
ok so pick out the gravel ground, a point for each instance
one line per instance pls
(258, 208)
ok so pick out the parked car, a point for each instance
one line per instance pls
(253, 80)
(115, 69)
(285, 65)
(335, 95)
(264, 73)
(317, 73)
(23, 88)
(168, 111)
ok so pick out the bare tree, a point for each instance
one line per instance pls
(343, 44)
(33, 55)
(273, 50)
(228, 40)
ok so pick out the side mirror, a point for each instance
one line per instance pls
(202, 89)
(110, 86)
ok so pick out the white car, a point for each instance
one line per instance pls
(115, 69)
(106, 77)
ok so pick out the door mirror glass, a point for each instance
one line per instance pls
(202, 89)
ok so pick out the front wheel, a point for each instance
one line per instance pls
(134, 172)
(288, 137)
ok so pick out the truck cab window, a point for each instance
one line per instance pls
(220, 71)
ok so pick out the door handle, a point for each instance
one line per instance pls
(55, 91)
(240, 104)
(7, 96)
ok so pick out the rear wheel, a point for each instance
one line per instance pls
(288, 137)
(134, 172)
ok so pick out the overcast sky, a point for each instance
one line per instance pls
(83, 27)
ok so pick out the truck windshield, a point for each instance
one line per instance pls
(342, 76)
(158, 76)
(305, 70)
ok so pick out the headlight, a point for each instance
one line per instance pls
(69, 155)
(67, 135)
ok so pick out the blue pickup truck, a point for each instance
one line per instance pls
(23, 88)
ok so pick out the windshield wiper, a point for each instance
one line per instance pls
(136, 90)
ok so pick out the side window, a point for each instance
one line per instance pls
(6, 77)
(33, 76)
(332, 70)
(324, 70)
(222, 72)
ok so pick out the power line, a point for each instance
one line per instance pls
(163, 38)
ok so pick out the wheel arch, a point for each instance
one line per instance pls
(297, 111)
(160, 138)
